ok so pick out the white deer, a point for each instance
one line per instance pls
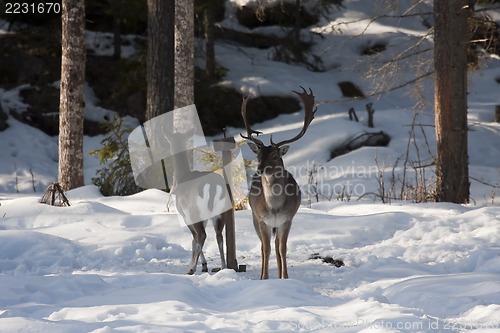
(200, 196)
(274, 195)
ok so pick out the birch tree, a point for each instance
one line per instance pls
(71, 100)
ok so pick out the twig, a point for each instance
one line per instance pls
(17, 178)
(352, 114)
(169, 199)
(486, 9)
(376, 18)
(33, 180)
(484, 183)
(376, 93)
(372, 193)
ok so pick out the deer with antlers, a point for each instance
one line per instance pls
(274, 195)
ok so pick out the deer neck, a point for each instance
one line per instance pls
(274, 190)
(182, 167)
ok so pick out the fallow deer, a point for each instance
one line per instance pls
(274, 195)
(200, 196)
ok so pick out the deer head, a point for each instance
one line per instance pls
(270, 157)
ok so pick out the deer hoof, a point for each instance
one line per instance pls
(191, 272)
(204, 267)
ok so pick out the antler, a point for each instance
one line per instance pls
(308, 101)
(247, 124)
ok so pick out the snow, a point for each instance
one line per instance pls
(118, 264)
(101, 44)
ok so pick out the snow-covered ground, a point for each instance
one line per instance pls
(118, 264)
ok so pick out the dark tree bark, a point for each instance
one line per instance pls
(117, 37)
(71, 100)
(450, 94)
(208, 22)
(296, 32)
(160, 59)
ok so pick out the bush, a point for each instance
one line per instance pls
(116, 177)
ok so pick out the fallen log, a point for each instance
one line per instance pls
(364, 139)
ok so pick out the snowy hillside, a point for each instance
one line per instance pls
(118, 264)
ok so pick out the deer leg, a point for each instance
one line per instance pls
(264, 233)
(219, 226)
(281, 241)
(265, 239)
(199, 236)
(194, 258)
(283, 271)
(278, 255)
(265, 251)
(204, 265)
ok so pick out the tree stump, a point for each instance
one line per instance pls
(371, 111)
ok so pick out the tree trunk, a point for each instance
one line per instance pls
(184, 53)
(450, 94)
(71, 100)
(297, 52)
(160, 59)
(117, 36)
(208, 22)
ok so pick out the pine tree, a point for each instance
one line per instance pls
(115, 176)
(184, 53)
(71, 101)
(160, 60)
(450, 98)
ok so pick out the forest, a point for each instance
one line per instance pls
(144, 61)
(117, 122)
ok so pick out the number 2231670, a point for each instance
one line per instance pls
(32, 8)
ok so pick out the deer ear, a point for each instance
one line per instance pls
(254, 147)
(283, 150)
